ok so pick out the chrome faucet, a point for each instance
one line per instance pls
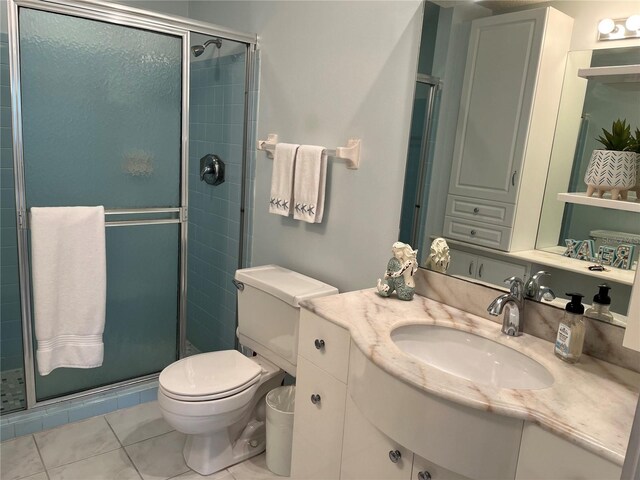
(514, 303)
(534, 290)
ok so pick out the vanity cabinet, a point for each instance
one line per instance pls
(490, 270)
(366, 424)
(510, 99)
(321, 391)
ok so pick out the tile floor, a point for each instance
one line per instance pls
(135, 443)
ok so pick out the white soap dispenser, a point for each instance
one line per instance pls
(571, 331)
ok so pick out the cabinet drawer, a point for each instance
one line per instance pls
(493, 236)
(480, 210)
(325, 344)
(366, 451)
(317, 427)
(436, 472)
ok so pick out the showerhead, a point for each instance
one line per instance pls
(198, 50)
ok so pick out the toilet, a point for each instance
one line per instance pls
(217, 398)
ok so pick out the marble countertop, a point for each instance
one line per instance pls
(591, 403)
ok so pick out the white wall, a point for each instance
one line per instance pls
(330, 71)
(170, 7)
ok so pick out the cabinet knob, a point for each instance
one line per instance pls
(424, 475)
(473, 233)
(395, 455)
(319, 343)
(315, 398)
(475, 212)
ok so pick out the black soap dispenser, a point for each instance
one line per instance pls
(601, 303)
(571, 330)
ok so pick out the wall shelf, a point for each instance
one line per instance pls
(615, 74)
(552, 257)
(631, 205)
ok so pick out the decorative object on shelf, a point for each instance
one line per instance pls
(438, 259)
(614, 168)
(619, 257)
(399, 274)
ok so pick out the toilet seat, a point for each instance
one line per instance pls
(209, 376)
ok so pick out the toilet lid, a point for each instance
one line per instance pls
(209, 375)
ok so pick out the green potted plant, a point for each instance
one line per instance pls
(612, 169)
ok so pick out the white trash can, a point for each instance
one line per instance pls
(280, 405)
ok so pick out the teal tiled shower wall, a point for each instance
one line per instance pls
(10, 323)
(216, 126)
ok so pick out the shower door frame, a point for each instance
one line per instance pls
(135, 18)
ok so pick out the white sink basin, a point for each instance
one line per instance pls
(471, 357)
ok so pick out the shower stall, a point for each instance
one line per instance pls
(147, 115)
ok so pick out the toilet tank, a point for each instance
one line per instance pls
(268, 311)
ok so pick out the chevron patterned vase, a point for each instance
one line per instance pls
(611, 171)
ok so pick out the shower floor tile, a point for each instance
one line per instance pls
(154, 457)
(12, 390)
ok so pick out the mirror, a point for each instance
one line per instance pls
(437, 201)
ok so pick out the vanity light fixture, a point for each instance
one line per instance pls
(619, 28)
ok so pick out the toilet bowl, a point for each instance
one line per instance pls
(217, 398)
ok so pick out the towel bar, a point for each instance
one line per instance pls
(350, 153)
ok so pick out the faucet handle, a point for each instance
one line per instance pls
(516, 286)
(533, 288)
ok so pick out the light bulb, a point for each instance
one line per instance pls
(606, 26)
(633, 23)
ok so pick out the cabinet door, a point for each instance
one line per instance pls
(562, 460)
(318, 424)
(462, 264)
(424, 469)
(496, 271)
(366, 453)
(496, 104)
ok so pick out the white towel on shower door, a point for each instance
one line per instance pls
(69, 277)
(284, 160)
(309, 183)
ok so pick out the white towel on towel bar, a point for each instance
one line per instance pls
(69, 276)
(309, 183)
(284, 160)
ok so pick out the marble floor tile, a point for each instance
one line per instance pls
(191, 475)
(108, 466)
(37, 476)
(159, 458)
(135, 424)
(75, 441)
(19, 458)
(254, 468)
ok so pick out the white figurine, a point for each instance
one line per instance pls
(438, 259)
(399, 274)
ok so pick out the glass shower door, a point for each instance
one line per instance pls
(101, 122)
